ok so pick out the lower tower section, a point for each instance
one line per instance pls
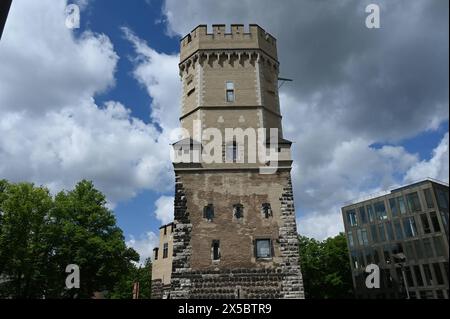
(235, 236)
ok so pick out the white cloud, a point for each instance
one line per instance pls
(320, 226)
(436, 167)
(352, 88)
(164, 209)
(44, 67)
(51, 131)
(158, 73)
(144, 245)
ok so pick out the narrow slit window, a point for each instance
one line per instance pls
(230, 91)
(166, 250)
(215, 249)
(266, 210)
(208, 212)
(238, 211)
(190, 92)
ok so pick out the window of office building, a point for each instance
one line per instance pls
(374, 232)
(369, 256)
(370, 212)
(428, 197)
(446, 270)
(409, 251)
(409, 225)
(426, 294)
(409, 277)
(381, 232)
(380, 210)
(351, 242)
(438, 274)
(413, 202)
(419, 249)
(351, 217)
(428, 276)
(435, 222)
(360, 254)
(398, 230)
(390, 231)
(393, 206)
(387, 254)
(439, 246)
(442, 198)
(376, 255)
(428, 248)
(354, 256)
(165, 250)
(397, 248)
(362, 237)
(362, 214)
(418, 276)
(401, 205)
(425, 224)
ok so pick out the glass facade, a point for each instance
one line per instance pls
(352, 220)
(428, 198)
(380, 210)
(408, 240)
(414, 202)
(362, 214)
(409, 225)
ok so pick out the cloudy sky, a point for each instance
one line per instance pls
(367, 110)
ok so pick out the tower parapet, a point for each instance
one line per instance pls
(200, 39)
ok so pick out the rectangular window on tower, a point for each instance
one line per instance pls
(165, 250)
(215, 247)
(230, 91)
(263, 248)
(232, 152)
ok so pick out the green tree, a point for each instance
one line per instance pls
(124, 288)
(325, 268)
(24, 250)
(41, 235)
(86, 234)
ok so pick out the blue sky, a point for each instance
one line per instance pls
(367, 110)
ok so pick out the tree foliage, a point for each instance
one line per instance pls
(143, 275)
(41, 235)
(325, 268)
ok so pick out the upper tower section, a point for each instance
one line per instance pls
(200, 39)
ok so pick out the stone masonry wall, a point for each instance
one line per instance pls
(182, 250)
(237, 274)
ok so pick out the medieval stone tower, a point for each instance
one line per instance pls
(234, 230)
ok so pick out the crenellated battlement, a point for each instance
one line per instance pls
(200, 39)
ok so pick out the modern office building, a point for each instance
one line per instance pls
(405, 233)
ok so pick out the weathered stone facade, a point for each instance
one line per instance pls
(238, 274)
(235, 230)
